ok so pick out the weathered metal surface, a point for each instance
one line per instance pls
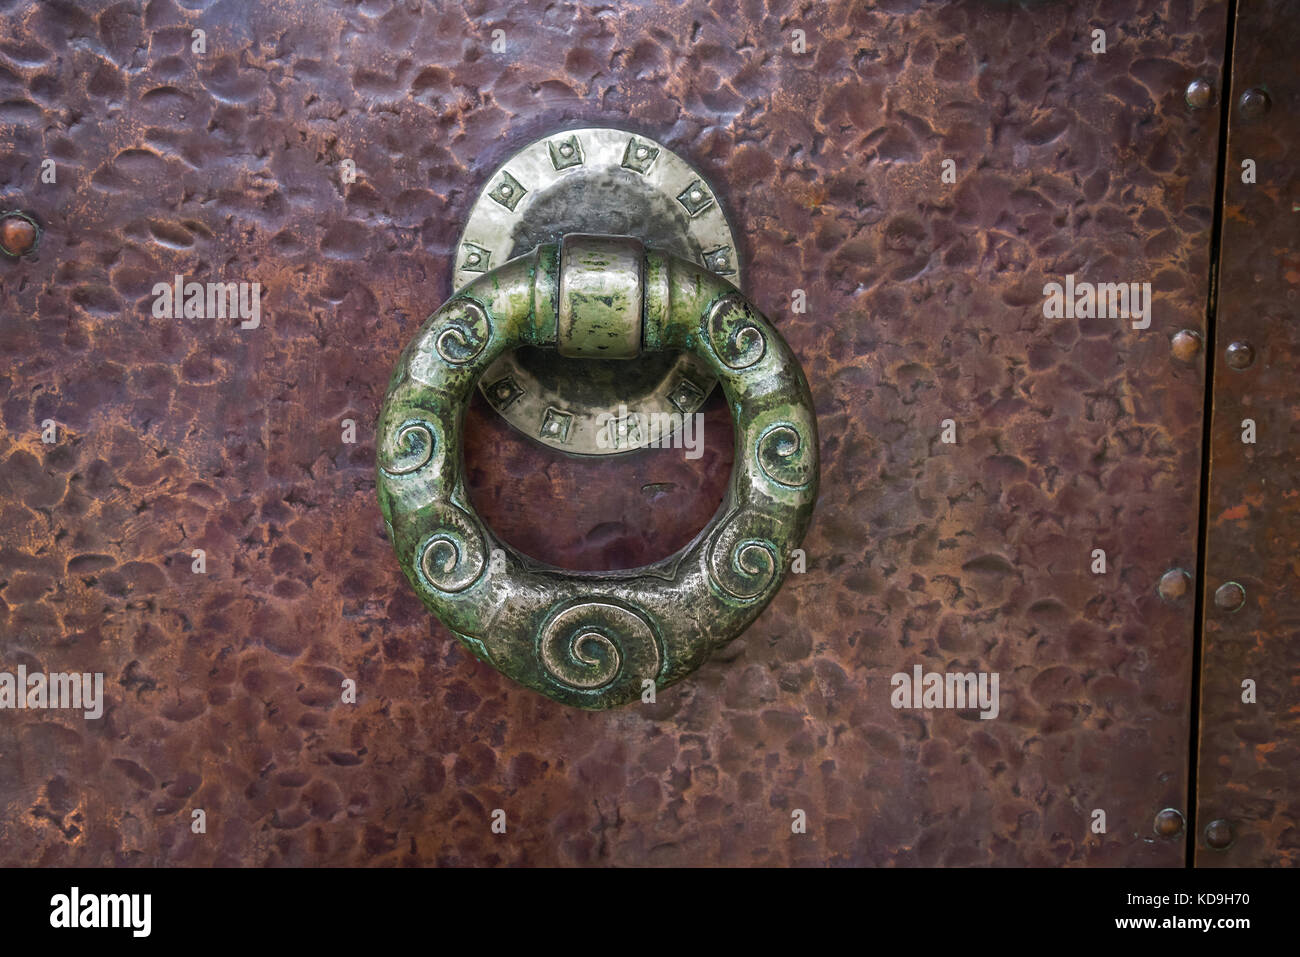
(924, 303)
(597, 641)
(1248, 769)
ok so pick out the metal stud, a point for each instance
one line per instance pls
(1169, 822)
(1239, 355)
(508, 192)
(1186, 344)
(565, 153)
(695, 198)
(19, 234)
(638, 156)
(1229, 596)
(1200, 94)
(1254, 103)
(718, 260)
(1174, 584)
(1219, 834)
(477, 259)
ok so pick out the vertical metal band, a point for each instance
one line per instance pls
(601, 295)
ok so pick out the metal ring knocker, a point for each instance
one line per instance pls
(593, 639)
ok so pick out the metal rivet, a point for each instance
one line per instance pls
(1218, 834)
(642, 152)
(1186, 344)
(1174, 584)
(506, 189)
(18, 234)
(1229, 596)
(1169, 823)
(1200, 94)
(1240, 355)
(566, 150)
(1253, 103)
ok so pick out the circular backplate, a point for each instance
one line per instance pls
(609, 182)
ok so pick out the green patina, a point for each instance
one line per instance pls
(596, 640)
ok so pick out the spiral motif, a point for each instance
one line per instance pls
(594, 645)
(590, 660)
(594, 641)
(413, 444)
(742, 566)
(452, 557)
(782, 456)
(465, 332)
(734, 335)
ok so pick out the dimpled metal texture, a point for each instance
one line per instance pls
(923, 303)
(1248, 791)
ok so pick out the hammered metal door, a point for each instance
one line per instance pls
(906, 179)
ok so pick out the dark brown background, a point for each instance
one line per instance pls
(925, 303)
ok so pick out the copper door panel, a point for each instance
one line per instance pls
(925, 303)
(1248, 792)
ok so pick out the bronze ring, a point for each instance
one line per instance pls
(596, 640)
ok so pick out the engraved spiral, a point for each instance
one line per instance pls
(464, 333)
(411, 448)
(451, 557)
(596, 645)
(783, 456)
(734, 335)
(743, 566)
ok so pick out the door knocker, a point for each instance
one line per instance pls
(595, 639)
